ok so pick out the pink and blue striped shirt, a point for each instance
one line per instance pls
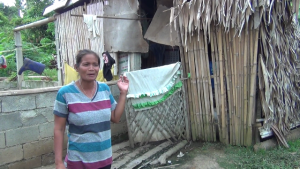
(89, 135)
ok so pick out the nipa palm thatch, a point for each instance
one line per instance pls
(245, 40)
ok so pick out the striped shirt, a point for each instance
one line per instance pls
(89, 135)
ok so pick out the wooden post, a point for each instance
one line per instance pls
(19, 57)
(134, 60)
(116, 66)
(36, 24)
(58, 59)
(185, 91)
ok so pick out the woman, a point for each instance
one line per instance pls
(88, 107)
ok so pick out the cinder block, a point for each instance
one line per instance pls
(46, 130)
(38, 148)
(10, 121)
(26, 164)
(48, 159)
(31, 117)
(45, 99)
(2, 140)
(22, 135)
(17, 103)
(11, 154)
(47, 112)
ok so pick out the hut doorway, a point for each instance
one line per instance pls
(159, 54)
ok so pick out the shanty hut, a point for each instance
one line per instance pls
(253, 46)
(119, 27)
(239, 62)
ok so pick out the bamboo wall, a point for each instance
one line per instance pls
(73, 34)
(243, 39)
(234, 71)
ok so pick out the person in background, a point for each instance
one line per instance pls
(88, 107)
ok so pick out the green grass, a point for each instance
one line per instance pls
(281, 158)
(51, 73)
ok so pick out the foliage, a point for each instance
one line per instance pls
(241, 157)
(37, 43)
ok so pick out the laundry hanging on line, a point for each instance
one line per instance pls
(92, 24)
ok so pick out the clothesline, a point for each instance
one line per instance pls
(110, 17)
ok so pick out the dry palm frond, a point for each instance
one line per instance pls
(276, 57)
(278, 82)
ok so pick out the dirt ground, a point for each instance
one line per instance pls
(197, 155)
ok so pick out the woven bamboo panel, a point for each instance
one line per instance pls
(164, 121)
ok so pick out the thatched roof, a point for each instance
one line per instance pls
(201, 14)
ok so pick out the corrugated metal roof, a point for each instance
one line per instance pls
(59, 4)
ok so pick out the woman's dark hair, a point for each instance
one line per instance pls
(81, 53)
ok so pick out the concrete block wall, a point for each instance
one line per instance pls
(29, 84)
(26, 127)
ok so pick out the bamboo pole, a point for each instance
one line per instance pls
(190, 98)
(245, 84)
(210, 94)
(72, 39)
(217, 63)
(233, 63)
(19, 56)
(223, 97)
(193, 90)
(202, 118)
(185, 85)
(62, 38)
(238, 65)
(209, 112)
(203, 78)
(198, 111)
(241, 82)
(215, 75)
(112, 17)
(252, 90)
(228, 83)
(36, 23)
(198, 49)
(58, 57)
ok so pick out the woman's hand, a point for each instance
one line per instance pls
(123, 85)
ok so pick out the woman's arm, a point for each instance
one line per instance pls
(59, 132)
(117, 113)
(123, 84)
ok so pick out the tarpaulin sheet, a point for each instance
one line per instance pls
(159, 29)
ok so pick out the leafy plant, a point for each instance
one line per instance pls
(37, 43)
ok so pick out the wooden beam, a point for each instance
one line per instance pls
(19, 57)
(58, 59)
(112, 17)
(36, 24)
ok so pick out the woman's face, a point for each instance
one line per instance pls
(88, 68)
